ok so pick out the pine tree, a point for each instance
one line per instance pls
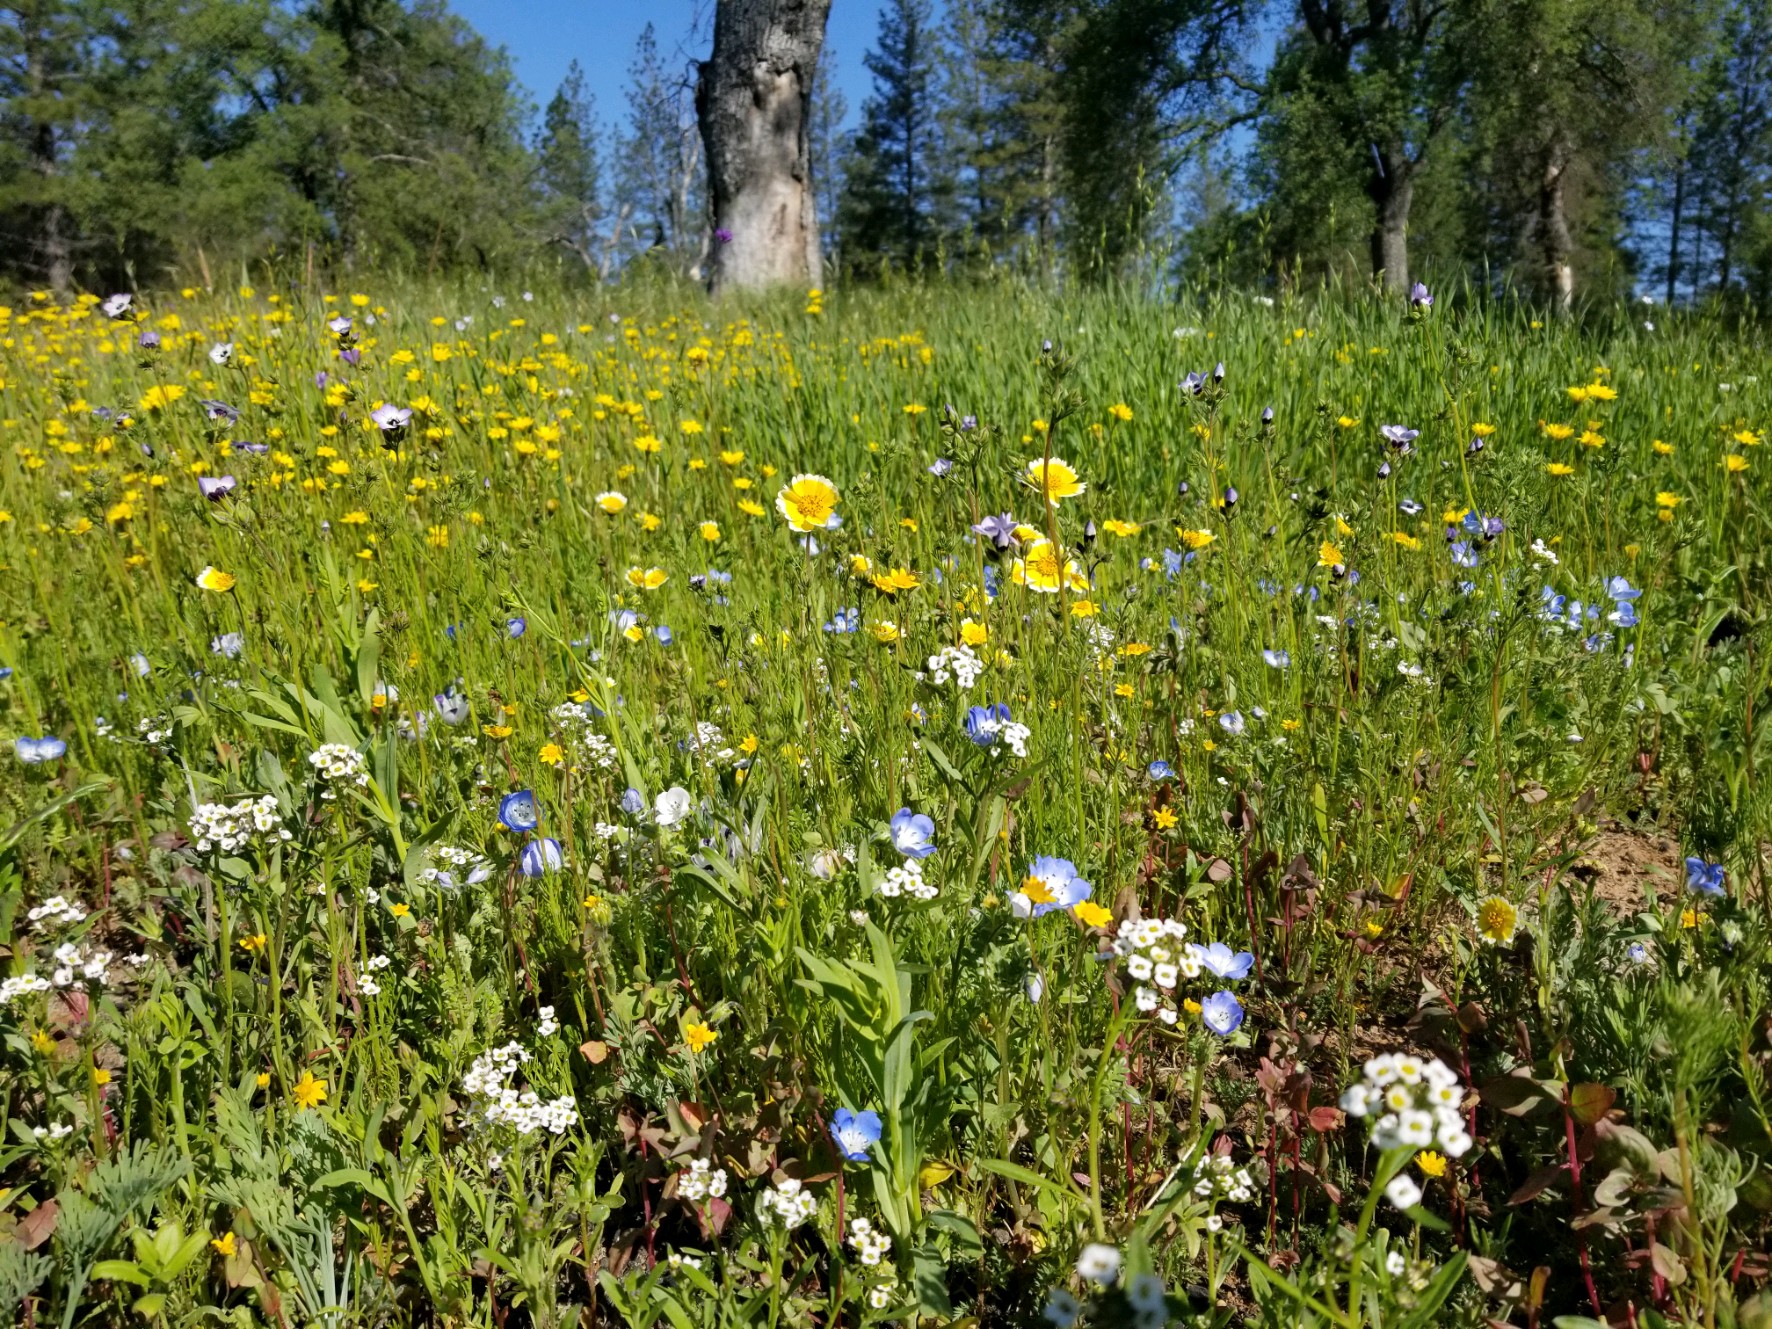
(830, 143)
(659, 173)
(1731, 153)
(893, 188)
(570, 171)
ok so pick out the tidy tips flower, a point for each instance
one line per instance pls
(809, 503)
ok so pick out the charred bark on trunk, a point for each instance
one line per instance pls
(753, 100)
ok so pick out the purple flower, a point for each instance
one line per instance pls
(339, 325)
(351, 356)
(149, 340)
(256, 449)
(389, 418)
(1419, 297)
(541, 857)
(219, 412)
(1222, 1013)
(855, 1133)
(1400, 436)
(940, 467)
(722, 235)
(1705, 878)
(1194, 384)
(215, 487)
(1000, 530)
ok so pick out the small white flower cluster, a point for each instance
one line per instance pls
(218, 826)
(907, 879)
(489, 1078)
(701, 1180)
(56, 911)
(1011, 734)
(1154, 954)
(59, 1131)
(1417, 1103)
(960, 663)
(368, 986)
(339, 762)
(461, 867)
(75, 967)
(154, 729)
(1217, 1178)
(708, 743)
(788, 1203)
(589, 746)
(14, 988)
(880, 1296)
(870, 1245)
(546, 1025)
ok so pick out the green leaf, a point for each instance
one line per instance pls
(121, 1271)
(929, 1275)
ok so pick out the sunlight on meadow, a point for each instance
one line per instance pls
(908, 805)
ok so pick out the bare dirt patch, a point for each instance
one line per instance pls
(1628, 867)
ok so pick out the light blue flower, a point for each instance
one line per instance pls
(855, 1133)
(633, 802)
(844, 621)
(1232, 723)
(229, 644)
(451, 706)
(1059, 880)
(1620, 589)
(541, 857)
(1277, 659)
(34, 751)
(518, 811)
(983, 724)
(913, 834)
(516, 627)
(1221, 961)
(1160, 770)
(1705, 878)
(664, 635)
(1222, 1013)
(1624, 615)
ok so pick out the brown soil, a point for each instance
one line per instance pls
(1627, 867)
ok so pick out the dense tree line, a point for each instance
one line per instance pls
(1571, 148)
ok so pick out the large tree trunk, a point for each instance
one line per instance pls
(754, 102)
(1553, 226)
(1391, 187)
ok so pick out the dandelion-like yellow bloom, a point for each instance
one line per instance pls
(884, 630)
(1123, 529)
(974, 633)
(809, 502)
(1431, 1163)
(710, 531)
(698, 1036)
(1496, 921)
(1120, 411)
(1735, 463)
(1329, 554)
(1195, 540)
(611, 501)
(898, 579)
(1092, 914)
(1164, 818)
(224, 1245)
(308, 1092)
(647, 579)
(1043, 568)
(1056, 480)
(1559, 468)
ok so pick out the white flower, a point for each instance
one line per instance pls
(547, 1026)
(1062, 1309)
(701, 1181)
(1099, 1263)
(672, 806)
(788, 1203)
(1403, 1192)
(1394, 1263)
(221, 352)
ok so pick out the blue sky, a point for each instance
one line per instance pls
(544, 36)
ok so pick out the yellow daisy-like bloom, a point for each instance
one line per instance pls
(1496, 921)
(1482, 430)
(1735, 462)
(43, 1041)
(698, 1036)
(1329, 554)
(214, 579)
(1590, 439)
(1600, 392)
(731, 457)
(647, 579)
(809, 502)
(884, 630)
(973, 633)
(1578, 394)
(1164, 818)
(1056, 480)
(1120, 411)
(160, 396)
(648, 443)
(1086, 609)
(551, 754)
(308, 1092)
(1195, 539)
(1662, 449)
(612, 501)
(710, 531)
(224, 1245)
(1559, 432)
(1044, 567)
(1667, 500)
(1092, 914)
(1123, 529)
(1431, 1163)
(1406, 540)
(745, 505)
(898, 579)
(1559, 468)
(1347, 421)
(1746, 437)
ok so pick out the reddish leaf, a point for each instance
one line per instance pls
(595, 1051)
(1326, 1119)
(34, 1228)
(1535, 1184)
(1218, 871)
(1590, 1102)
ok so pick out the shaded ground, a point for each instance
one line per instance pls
(1627, 868)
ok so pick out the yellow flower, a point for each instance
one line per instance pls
(308, 1092)
(400, 910)
(496, 730)
(224, 1245)
(1348, 421)
(1590, 439)
(1667, 500)
(255, 943)
(1430, 1163)
(689, 426)
(1329, 554)
(752, 508)
(1043, 567)
(647, 579)
(1120, 411)
(43, 1041)
(437, 537)
(710, 531)
(611, 501)
(1735, 462)
(1496, 921)
(1164, 818)
(1054, 479)
(1662, 449)
(648, 443)
(1406, 540)
(731, 457)
(809, 502)
(1559, 432)
(1559, 468)
(550, 754)
(1092, 914)
(1482, 430)
(214, 579)
(898, 579)
(1290, 725)
(1578, 394)
(1747, 438)
(973, 633)
(1195, 539)
(263, 1079)
(698, 1036)
(160, 396)
(884, 630)
(1123, 529)
(100, 1076)
(355, 518)
(1600, 392)
(1688, 918)
(1083, 609)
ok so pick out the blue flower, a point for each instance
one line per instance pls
(1409, 507)
(845, 621)
(913, 834)
(940, 467)
(1705, 878)
(1057, 879)
(855, 1133)
(1399, 435)
(229, 644)
(1278, 659)
(633, 802)
(1624, 614)
(541, 857)
(1172, 563)
(518, 811)
(1232, 723)
(1222, 961)
(1463, 556)
(139, 663)
(1160, 770)
(1638, 953)
(1620, 589)
(983, 724)
(663, 634)
(1222, 1013)
(451, 706)
(33, 751)
(516, 626)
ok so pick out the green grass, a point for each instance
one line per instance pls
(1430, 763)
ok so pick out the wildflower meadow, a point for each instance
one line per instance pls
(929, 805)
